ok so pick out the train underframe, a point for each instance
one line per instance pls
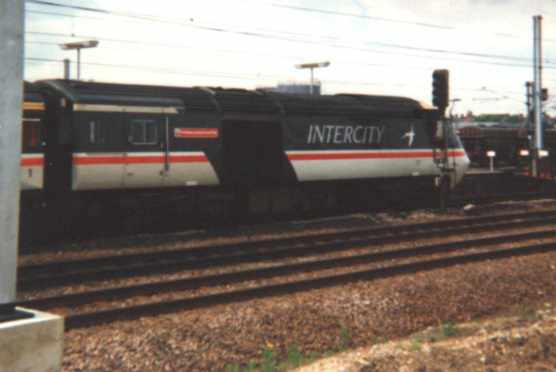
(86, 213)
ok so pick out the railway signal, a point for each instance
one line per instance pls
(440, 89)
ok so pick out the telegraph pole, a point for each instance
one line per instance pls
(11, 98)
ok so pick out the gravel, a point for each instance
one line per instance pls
(213, 338)
(316, 321)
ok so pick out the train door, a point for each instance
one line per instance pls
(253, 153)
(147, 156)
(58, 150)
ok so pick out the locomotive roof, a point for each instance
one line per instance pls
(87, 92)
(347, 104)
(231, 100)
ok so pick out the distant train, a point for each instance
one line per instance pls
(507, 143)
(89, 143)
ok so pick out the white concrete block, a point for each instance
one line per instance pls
(32, 345)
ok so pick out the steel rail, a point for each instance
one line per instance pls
(47, 281)
(484, 199)
(274, 271)
(170, 254)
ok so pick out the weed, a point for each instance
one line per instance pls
(313, 356)
(345, 338)
(295, 359)
(269, 361)
(416, 344)
(233, 368)
(251, 367)
(528, 313)
(448, 330)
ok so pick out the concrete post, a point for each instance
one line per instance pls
(29, 341)
(11, 97)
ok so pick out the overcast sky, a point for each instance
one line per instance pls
(375, 47)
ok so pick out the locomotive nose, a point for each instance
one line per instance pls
(465, 162)
(462, 165)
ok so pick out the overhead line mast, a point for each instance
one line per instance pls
(537, 91)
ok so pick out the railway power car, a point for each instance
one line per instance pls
(91, 145)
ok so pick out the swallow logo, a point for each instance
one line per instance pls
(410, 137)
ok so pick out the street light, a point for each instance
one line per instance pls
(312, 66)
(78, 45)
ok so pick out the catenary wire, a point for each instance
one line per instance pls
(262, 35)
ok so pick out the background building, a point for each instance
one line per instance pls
(295, 88)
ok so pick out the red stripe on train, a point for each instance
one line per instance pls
(369, 155)
(196, 132)
(107, 160)
(32, 162)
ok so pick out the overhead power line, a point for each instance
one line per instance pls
(254, 78)
(275, 37)
(382, 19)
(176, 45)
(373, 18)
(366, 50)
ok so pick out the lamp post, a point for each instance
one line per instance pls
(312, 66)
(78, 45)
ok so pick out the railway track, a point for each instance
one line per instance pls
(486, 199)
(292, 276)
(41, 276)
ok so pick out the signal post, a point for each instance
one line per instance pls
(441, 99)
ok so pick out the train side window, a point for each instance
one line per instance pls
(97, 135)
(143, 132)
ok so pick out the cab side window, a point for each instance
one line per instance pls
(143, 132)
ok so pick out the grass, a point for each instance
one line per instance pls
(345, 339)
(528, 313)
(294, 357)
(416, 344)
(448, 330)
(442, 332)
(269, 361)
